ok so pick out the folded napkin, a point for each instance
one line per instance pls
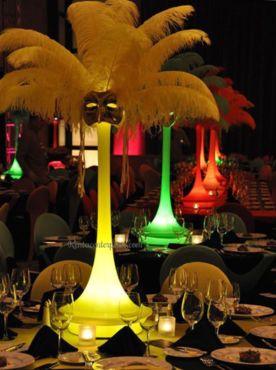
(231, 237)
(231, 328)
(45, 344)
(202, 337)
(124, 343)
(13, 322)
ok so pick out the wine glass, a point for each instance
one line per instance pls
(115, 218)
(130, 313)
(61, 312)
(150, 322)
(177, 281)
(57, 278)
(216, 290)
(140, 221)
(21, 279)
(84, 224)
(192, 307)
(222, 225)
(191, 281)
(217, 313)
(209, 225)
(8, 303)
(129, 276)
(233, 298)
(72, 276)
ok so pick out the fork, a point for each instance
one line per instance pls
(270, 345)
(209, 362)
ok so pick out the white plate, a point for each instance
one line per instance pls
(17, 360)
(133, 362)
(229, 339)
(74, 358)
(251, 235)
(256, 311)
(234, 249)
(188, 352)
(31, 309)
(232, 355)
(56, 238)
(268, 332)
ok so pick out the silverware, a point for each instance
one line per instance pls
(270, 345)
(47, 366)
(209, 362)
(15, 347)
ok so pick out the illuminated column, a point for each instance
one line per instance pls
(200, 138)
(164, 228)
(99, 302)
(61, 133)
(213, 179)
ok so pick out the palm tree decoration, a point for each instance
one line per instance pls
(114, 79)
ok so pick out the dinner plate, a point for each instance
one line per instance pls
(232, 355)
(229, 339)
(17, 360)
(73, 358)
(132, 363)
(268, 332)
(256, 311)
(251, 235)
(186, 352)
(31, 309)
(57, 238)
(234, 249)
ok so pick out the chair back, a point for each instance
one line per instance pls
(205, 272)
(6, 240)
(4, 210)
(49, 224)
(85, 253)
(42, 283)
(241, 211)
(37, 203)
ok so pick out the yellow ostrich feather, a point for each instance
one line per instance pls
(159, 25)
(167, 47)
(125, 11)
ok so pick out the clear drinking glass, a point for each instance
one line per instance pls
(57, 278)
(150, 322)
(192, 307)
(217, 313)
(140, 221)
(61, 312)
(233, 298)
(222, 225)
(84, 224)
(8, 303)
(216, 290)
(130, 313)
(21, 279)
(177, 281)
(72, 276)
(129, 276)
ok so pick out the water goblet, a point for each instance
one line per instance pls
(216, 290)
(150, 322)
(130, 313)
(177, 281)
(192, 307)
(21, 279)
(222, 226)
(8, 302)
(129, 276)
(72, 276)
(140, 221)
(217, 313)
(57, 278)
(61, 312)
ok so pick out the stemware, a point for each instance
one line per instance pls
(209, 225)
(216, 290)
(8, 303)
(192, 307)
(191, 281)
(150, 322)
(115, 218)
(61, 312)
(130, 314)
(140, 221)
(233, 298)
(177, 281)
(21, 279)
(222, 226)
(129, 276)
(84, 224)
(217, 313)
(57, 278)
(72, 276)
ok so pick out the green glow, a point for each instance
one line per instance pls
(164, 228)
(15, 170)
(100, 299)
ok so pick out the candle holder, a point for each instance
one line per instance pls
(87, 334)
(120, 239)
(166, 326)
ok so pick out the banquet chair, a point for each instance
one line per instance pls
(247, 281)
(4, 210)
(37, 203)
(241, 211)
(205, 272)
(76, 252)
(6, 240)
(53, 190)
(42, 283)
(48, 224)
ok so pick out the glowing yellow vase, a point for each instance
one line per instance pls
(99, 301)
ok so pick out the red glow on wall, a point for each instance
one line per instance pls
(136, 143)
